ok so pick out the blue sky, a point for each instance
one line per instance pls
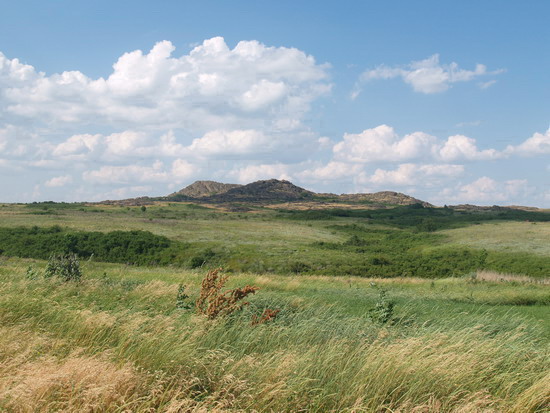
(447, 101)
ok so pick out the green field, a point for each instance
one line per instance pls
(529, 237)
(376, 314)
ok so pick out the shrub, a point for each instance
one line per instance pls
(201, 258)
(64, 266)
(383, 309)
(212, 302)
(355, 241)
(297, 267)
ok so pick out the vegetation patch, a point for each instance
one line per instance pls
(132, 247)
(418, 217)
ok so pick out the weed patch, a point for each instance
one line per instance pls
(214, 302)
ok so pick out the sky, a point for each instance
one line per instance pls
(446, 101)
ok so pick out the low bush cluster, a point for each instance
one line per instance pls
(128, 247)
(373, 252)
(418, 217)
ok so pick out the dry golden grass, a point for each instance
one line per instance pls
(156, 289)
(97, 319)
(34, 378)
(535, 397)
(76, 383)
(494, 276)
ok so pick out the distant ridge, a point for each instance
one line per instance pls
(272, 191)
(385, 197)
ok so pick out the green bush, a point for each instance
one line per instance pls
(297, 267)
(64, 266)
(383, 309)
(202, 258)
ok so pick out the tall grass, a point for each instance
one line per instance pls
(109, 344)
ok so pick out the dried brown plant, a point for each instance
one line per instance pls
(212, 302)
(267, 315)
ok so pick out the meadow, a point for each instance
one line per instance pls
(404, 241)
(456, 336)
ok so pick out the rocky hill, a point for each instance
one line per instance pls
(268, 190)
(272, 191)
(202, 189)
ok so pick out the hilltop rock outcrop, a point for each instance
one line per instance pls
(203, 189)
(268, 190)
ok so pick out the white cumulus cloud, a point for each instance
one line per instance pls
(211, 87)
(462, 147)
(413, 175)
(230, 143)
(59, 181)
(486, 190)
(179, 171)
(426, 76)
(383, 144)
(251, 173)
(77, 146)
(333, 170)
(538, 144)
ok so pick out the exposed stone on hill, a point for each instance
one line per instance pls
(385, 197)
(269, 190)
(202, 189)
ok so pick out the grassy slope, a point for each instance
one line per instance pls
(528, 237)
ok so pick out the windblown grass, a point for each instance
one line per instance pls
(117, 342)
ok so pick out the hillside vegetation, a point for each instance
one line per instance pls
(402, 241)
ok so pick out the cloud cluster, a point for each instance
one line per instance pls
(211, 87)
(426, 76)
(489, 191)
(381, 144)
(409, 174)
